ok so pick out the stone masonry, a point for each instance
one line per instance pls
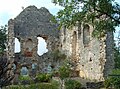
(92, 57)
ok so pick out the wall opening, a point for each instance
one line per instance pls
(28, 48)
(24, 71)
(86, 35)
(42, 46)
(74, 44)
(17, 46)
(34, 66)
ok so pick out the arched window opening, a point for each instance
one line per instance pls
(86, 35)
(42, 46)
(17, 46)
(74, 44)
(24, 71)
(28, 48)
(34, 66)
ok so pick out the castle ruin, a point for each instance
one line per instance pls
(92, 57)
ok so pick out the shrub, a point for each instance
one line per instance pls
(17, 87)
(113, 80)
(32, 86)
(72, 84)
(44, 77)
(25, 79)
(14, 87)
(51, 85)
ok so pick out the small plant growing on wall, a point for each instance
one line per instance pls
(57, 55)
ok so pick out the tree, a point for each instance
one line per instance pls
(5, 76)
(103, 15)
(3, 38)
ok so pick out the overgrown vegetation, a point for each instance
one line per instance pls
(58, 56)
(117, 57)
(44, 77)
(72, 84)
(25, 79)
(103, 15)
(52, 85)
(3, 38)
(113, 81)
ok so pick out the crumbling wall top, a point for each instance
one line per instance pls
(33, 22)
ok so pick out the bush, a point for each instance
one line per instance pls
(16, 87)
(25, 79)
(52, 85)
(113, 80)
(72, 84)
(44, 77)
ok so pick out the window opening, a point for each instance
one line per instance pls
(86, 35)
(24, 71)
(17, 46)
(42, 46)
(74, 44)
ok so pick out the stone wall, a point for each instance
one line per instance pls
(92, 58)
(27, 26)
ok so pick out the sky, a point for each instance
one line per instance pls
(11, 8)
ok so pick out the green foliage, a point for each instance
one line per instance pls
(113, 80)
(72, 84)
(57, 55)
(93, 12)
(64, 70)
(117, 57)
(52, 85)
(17, 87)
(25, 77)
(44, 77)
(3, 38)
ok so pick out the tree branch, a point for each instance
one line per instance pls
(116, 20)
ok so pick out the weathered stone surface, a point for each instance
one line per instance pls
(92, 57)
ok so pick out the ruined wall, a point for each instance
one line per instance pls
(93, 57)
(10, 46)
(27, 26)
